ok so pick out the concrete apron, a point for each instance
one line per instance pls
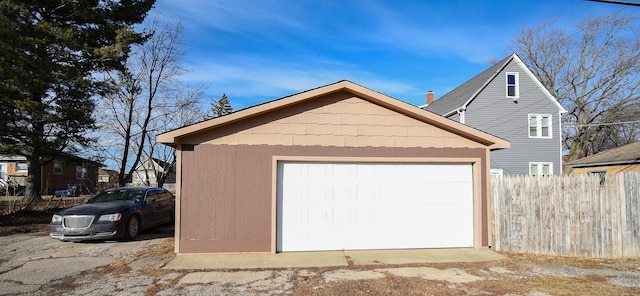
(330, 258)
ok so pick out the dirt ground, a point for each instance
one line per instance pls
(519, 274)
(35, 219)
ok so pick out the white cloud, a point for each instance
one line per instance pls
(233, 16)
(259, 79)
(427, 32)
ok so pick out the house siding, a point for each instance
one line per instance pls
(492, 112)
(227, 190)
(338, 119)
(455, 117)
(53, 181)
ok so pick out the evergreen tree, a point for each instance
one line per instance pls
(221, 106)
(50, 53)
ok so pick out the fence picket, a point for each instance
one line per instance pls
(568, 215)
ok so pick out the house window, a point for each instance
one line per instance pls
(57, 168)
(513, 91)
(21, 167)
(81, 172)
(540, 168)
(540, 126)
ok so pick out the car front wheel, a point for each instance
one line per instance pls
(133, 228)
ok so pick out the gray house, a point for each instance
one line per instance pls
(508, 101)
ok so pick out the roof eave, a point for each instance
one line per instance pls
(604, 163)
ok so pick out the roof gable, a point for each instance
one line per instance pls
(626, 154)
(464, 94)
(174, 137)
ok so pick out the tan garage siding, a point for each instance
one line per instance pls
(338, 119)
(226, 192)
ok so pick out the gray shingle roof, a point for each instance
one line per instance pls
(463, 93)
(624, 154)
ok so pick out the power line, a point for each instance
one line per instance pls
(602, 124)
(617, 2)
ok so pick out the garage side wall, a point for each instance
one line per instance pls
(226, 190)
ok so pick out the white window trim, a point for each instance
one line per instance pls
(540, 165)
(539, 126)
(18, 170)
(506, 85)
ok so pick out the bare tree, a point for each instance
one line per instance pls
(185, 110)
(595, 74)
(149, 100)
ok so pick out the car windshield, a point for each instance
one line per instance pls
(134, 195)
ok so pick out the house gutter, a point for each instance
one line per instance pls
(593, 164)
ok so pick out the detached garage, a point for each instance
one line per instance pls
(333, 168)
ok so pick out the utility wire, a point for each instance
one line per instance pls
(630, 3)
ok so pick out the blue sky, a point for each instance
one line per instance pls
(256, 51)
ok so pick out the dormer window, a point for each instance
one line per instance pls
(513, 91)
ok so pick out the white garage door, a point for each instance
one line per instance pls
(337, 206)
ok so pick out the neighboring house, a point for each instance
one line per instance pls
(618, 160)
(508, 101)
(332, 168)
(145, 174)
(107, 179)
(56, 174)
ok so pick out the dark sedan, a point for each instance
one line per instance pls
(113, 214)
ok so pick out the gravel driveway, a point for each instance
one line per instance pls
(34, 264)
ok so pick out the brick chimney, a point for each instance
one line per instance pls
(429, 97)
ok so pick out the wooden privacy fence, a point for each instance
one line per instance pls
(568, 215)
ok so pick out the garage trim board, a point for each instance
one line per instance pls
(329, 203)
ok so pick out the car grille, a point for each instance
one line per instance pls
(77, 221)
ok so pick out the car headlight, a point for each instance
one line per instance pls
(56, 219)
(110, 217)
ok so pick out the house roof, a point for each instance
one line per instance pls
(461, 96)
(77, 159)
(627, 154)
(60, 156)
(173, 137)
(6, 157)
(161, 163)
(164, 164)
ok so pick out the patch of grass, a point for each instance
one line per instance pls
(554, 285)
(10, 198)
(121, 266)
(582, 262)
(389, 285)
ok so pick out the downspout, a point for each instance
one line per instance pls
(461, 112)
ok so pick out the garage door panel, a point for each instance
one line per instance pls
(334, 206)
